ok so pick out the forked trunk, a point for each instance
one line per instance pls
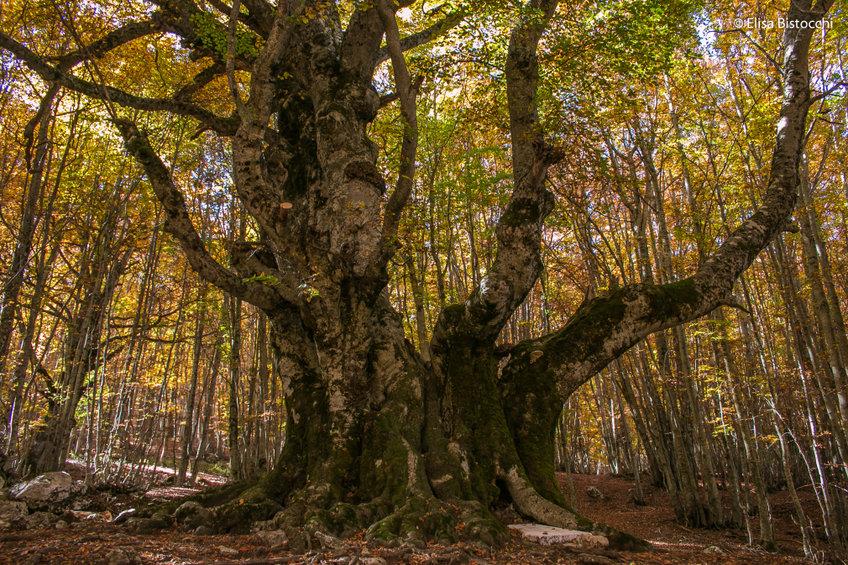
(376, 438)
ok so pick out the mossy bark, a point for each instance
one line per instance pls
(430, 450)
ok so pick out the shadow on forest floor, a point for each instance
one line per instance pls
(106, 543)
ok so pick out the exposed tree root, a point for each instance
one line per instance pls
(311, 519)
(533, 505)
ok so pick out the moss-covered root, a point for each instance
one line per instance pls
(230, 508)
(208, 498)
(425, 517)
(620, 540)
(312, 517)
(196, 509)
(239, 515)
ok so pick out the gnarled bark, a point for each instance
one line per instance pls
(378, 437)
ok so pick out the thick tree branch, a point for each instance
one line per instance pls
(717, 276)
(38, 64)
(605, 327)
(110, 41)
(200, 80)
(199, 30)
(259, 16)
(539, 375)
(360, 42)
(178, 223)
(361, 52)
(262, 200)
(518, 263)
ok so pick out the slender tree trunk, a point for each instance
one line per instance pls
(188, 425)
(20, 259)
(234, 364)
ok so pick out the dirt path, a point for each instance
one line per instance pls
(104, 543)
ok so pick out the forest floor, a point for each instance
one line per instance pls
(90, 542)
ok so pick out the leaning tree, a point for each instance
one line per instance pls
(379, 436)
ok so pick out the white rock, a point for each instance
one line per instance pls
(548, 535)
(124, 515)
(46, 488)
(83, 516)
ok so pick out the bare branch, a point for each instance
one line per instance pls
(407, 92)
(178, 223)
(518, 262)
(425, 36)
(38, 64)
(604, 328)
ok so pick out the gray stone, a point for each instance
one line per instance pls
(192, 515)
(120, 556)
(595, 494)
(548, 535)
(12, 512)
(714, 550)
(38, 520)
(43, 489)
(273, 538)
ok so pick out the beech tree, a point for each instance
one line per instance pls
(379, 435)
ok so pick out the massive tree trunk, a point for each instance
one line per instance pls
(377, 436)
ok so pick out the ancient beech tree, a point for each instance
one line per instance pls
(379, 436)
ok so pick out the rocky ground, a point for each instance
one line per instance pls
(60, 520)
